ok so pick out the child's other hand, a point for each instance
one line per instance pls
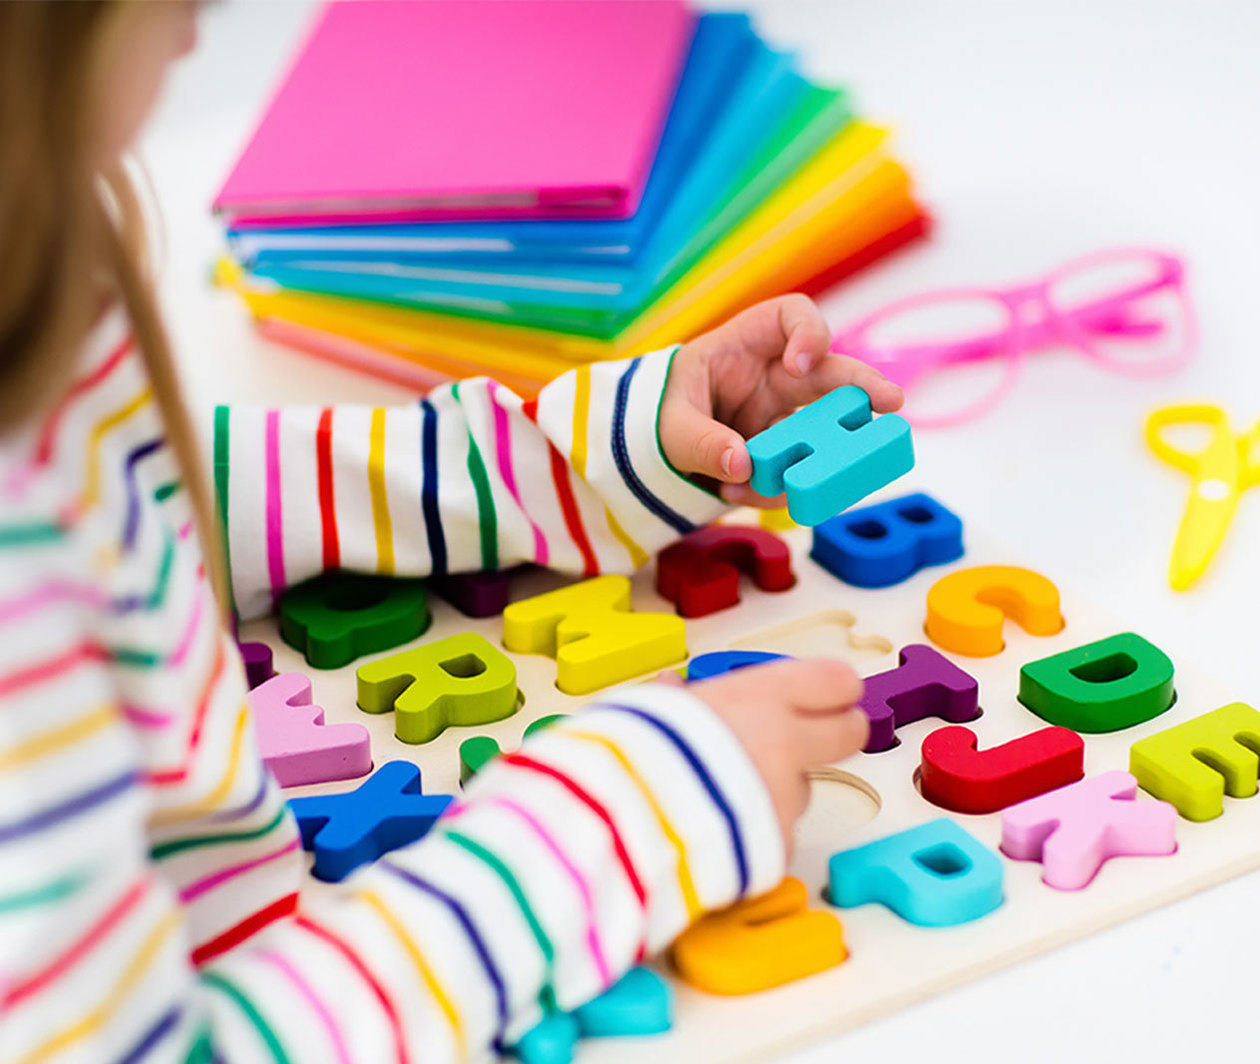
(791, 716)
(737, 380)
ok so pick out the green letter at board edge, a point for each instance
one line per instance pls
(1061, 691)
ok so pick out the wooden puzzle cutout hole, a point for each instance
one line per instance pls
(840, 805)
(869, 529)
(355, 595)
(1106, 670)
(918, 515)
(825, 634)
(464, 667)
(944, 860)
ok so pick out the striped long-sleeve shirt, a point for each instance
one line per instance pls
(468, 478)
(150, 873)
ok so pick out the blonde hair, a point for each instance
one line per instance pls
(74, 237)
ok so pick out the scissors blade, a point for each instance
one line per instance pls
(1209, 512)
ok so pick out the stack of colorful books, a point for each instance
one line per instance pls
(449, 188)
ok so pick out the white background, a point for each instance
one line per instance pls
(1036, 132)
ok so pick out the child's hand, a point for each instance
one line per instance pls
(737, 380)
(791, 716)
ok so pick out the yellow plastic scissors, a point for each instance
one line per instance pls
(1225, 468)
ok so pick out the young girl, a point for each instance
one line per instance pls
(149, 870)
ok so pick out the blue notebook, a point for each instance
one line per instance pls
(723, 49)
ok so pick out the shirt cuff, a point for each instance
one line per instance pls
(694, 814)
(666, 494)
(750, 840)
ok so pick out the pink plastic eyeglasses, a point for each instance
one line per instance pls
(1126, 309)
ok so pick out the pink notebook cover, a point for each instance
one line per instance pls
(420, 109)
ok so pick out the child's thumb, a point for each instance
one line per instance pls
(708, 447)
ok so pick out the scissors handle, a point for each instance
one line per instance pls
(1249, 456)
(1219, 471)
(1202, 530)
(1192, 462)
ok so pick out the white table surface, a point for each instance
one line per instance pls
(1036, 132)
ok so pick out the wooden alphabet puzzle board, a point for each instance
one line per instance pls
(891, 962)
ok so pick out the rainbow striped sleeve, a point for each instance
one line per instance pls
(93, 955)
(153, 900)
(563, 864)
(468, 478)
